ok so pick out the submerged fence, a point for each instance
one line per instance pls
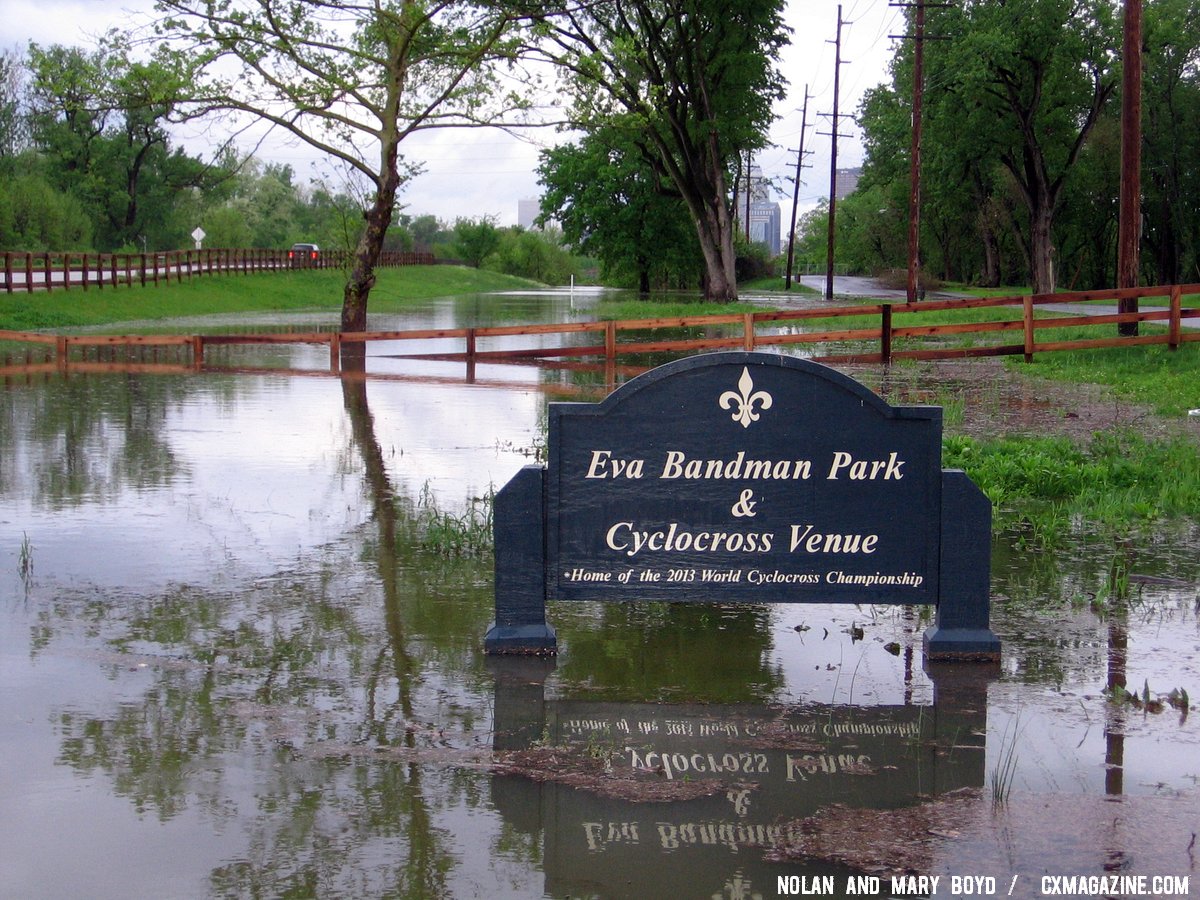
(29, 272)
(870, 333)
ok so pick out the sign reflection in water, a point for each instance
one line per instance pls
(769, 766)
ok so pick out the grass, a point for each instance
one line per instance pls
(262, 292)
(25, 560)
(1043, 486)
(776, 285)
(1002, 776)
(446, 533)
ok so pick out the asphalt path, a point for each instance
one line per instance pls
(862, 286)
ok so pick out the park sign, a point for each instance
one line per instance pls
(744, 477)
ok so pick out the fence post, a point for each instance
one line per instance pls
(8, 272)
(1027, 300)
(610, 339)
(470, 344)
(1173, 335)
(885, 334)
(748, 332)
(61, 349)
(335, 352)
(84, 270)
(29, 273)
(197, 351)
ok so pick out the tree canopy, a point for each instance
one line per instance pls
(689, 82)
(611, 205)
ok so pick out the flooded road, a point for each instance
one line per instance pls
(236, 661)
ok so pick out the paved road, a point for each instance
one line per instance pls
(861, 286)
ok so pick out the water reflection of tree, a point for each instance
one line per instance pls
(360, 644)
(81, 437)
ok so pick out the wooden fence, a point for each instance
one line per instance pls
(28, 272)
(881, 341)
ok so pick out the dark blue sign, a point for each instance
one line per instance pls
(743, 477)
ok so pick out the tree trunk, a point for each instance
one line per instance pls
(370, 243)
(1041, 250)
(714, 228)
(990, 276)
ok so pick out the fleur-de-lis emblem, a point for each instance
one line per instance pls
(745, 400)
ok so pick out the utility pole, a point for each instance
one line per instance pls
(837, 67)
(787, 286)
(1129, 230)
(914, 190)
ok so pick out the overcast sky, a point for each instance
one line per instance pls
(486, 172)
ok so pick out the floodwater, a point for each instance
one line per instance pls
(230, 666)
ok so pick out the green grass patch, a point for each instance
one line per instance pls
(1117, 483)
(260, 292)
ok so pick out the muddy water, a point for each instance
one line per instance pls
(229, 667)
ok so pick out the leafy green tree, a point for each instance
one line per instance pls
(475, 240)
(610, 205)
(532, 254)
(1026, 81)
(427, 232)
(693, 80)
(1011, 101)
(98, 120)
(35, 216)
(226, 226)
(351, 80)
(1171, 143)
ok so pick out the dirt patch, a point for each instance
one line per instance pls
(984, 398)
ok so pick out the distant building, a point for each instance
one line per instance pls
(766, 219)
(527, 213)
(845, 181)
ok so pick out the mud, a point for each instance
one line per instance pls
(984, 398)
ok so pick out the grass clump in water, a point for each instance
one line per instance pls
(445, 533)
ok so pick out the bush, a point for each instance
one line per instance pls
(34, 216)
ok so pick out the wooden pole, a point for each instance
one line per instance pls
(787, 286)
(837, 67)
(1130, 218)
(914, 189)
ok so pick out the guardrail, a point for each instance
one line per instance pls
(469, 344)
(29, 272)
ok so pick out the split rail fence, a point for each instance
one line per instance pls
(882, 341)
(29, 272)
